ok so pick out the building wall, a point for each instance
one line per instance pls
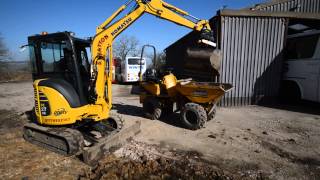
(252, 54)
(251, 57)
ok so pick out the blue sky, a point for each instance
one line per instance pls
(21, 18)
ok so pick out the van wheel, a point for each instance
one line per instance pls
(290, 92)
(193, 116)
(152, 108)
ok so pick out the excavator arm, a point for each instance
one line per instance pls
(108, 31)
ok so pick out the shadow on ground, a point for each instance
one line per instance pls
(301, 106)
(131, 110)
(127, 109)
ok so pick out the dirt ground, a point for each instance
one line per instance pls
(252, 142)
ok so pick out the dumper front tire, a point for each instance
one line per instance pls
(152, 108)
(193, 116)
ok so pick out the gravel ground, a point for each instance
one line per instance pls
(240, 143)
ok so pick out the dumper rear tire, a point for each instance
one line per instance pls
(193, 116)
(152, 108)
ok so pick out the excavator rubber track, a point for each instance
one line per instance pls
(69, 142)
(65, 141)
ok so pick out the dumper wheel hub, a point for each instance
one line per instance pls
(191, 117)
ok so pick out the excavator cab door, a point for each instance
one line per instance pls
(63, 57)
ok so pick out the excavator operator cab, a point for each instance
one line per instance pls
(62, 60)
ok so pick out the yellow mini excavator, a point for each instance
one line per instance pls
(73, 94)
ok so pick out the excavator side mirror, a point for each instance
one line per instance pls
(24, 47)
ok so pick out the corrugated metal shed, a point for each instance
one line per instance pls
(305, 6)
(251, 61)
(252, 53)
(252, 43)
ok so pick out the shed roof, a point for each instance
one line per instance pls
(251, 13)
(266, 4)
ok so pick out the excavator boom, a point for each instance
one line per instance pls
(108, 31)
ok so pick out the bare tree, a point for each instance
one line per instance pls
(125, 45)
(4, 52)
(161, 60)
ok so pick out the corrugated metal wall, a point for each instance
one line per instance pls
(252, 49)
(306, 6)
(252, 52)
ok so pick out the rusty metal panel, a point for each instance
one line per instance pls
(307, 6)
(252, 49)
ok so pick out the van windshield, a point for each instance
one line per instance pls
(302, 47)
(135, 61)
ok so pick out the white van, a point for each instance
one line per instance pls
(301, 78)
(130, 68)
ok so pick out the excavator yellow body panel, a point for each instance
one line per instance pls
(52, 108)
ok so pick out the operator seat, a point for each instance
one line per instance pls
(152, 75)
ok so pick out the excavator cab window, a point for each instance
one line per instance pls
(52, 55)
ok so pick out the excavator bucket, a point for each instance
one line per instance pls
(199, 58)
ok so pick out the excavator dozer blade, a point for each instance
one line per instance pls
(110, 143)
